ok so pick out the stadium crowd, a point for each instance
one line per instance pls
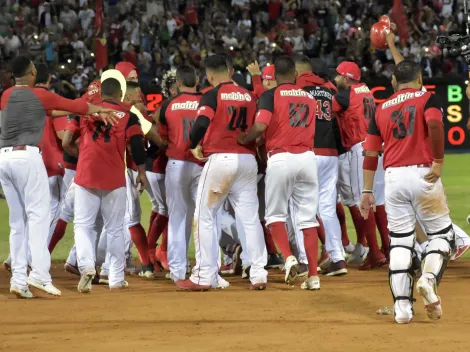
(157, 35)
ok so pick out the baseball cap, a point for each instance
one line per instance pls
(125, 68)
(349, 69)
(268, 73)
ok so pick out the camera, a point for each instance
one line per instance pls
(455, 44)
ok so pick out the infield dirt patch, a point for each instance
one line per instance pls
(154, 315)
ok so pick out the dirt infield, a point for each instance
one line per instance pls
(154, 315)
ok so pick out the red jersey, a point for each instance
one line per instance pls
(177, 117)
(401, 124)
(231, 109)
(289, 113)
(102, 148)
(52, 151)
(354, 107)
(93, 93)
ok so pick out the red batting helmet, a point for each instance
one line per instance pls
(377, 35)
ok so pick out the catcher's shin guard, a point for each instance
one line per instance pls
(401, 274)
(438, 252)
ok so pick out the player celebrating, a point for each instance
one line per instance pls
(291, 170)
(100, 185)
(411, 120)
(23, 174)
(354, 106)
(177, 116)
(230, 172)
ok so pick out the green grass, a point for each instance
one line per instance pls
(456, 180)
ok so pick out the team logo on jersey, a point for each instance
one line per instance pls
(362, 89)
(237, 96)
(188, 105)
(295, 93)
(119, 114)
(400, 98)
(93, 89)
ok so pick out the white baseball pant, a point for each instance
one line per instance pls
(153, 178)
(379, 183)
(25, 185)
(112, 204)
(232, 176)
(292, 176)
(133, 212)
(327, 167)
(68, 177)
(296, 236)
(57, 191)
(157, 185)
(181, 181)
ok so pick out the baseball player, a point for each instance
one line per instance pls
(229, 173)
(176, 117)
(326, 156)
(354, 106)
(411, 120)
(24, 177)
(291, 170)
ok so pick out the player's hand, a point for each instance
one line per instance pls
(141, 181)
(253, 68)
(198, 153)
(434, 174)
(390, 36)
(241, 138)
(367, 202)
(109, 116)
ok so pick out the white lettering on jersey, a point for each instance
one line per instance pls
(188, 105)
(295, 93)
(362, 89)
(400, 98)
(237, 96)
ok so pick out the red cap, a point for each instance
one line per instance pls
(349, 69)
(125, 68)
(269, 73)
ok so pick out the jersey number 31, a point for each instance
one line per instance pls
(401, 131)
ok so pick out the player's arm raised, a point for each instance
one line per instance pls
(372, 147)
(205, 114)
(135, 138)
(433, 115)
(390, 38)
(262, 119)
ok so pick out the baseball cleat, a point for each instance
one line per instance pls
(259, 286)
(119, 286)
(146, 271)
(291, 268)
(403, 312)
(49, 288)
(221, 283)
(84, 285)
(7, 264)
(459, 251)
(336, 269)
(246, 272)
(21, 292)
(349, 249)
(104, 280)
(374, 260)
(358, 255)
(237, 260)
(275, 261)
(311, 284)
(427, 288)
(227, 269)
(72, 269)
(302, 270)
(188, 285)
(324, 260)
(130, 268)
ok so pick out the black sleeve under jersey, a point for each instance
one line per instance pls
(266, 101)
(206, 111)
(343, 97)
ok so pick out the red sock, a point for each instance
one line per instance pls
(382, 225)
(158, 225)
(342, 222)
(311, 249)
(358, 221)
(58, 234)
(164, 244)
(270, 245)
(140, 241)
(321, 231)
(371, 235)
(279, 232)
(153, 215)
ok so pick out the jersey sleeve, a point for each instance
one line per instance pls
(51, 101)
(208, 104)
(265, 107)
(341, 101)
(133, 126)
(374, 140)
(60, 123)
(162, 126)
(73, 125)
(433, 109)
(258, 88)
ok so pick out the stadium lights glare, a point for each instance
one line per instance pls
(62, 67)
(92, 54)
(36, 36)
(69, 61)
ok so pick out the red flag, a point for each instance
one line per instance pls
(400, 19)
(101, 50)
